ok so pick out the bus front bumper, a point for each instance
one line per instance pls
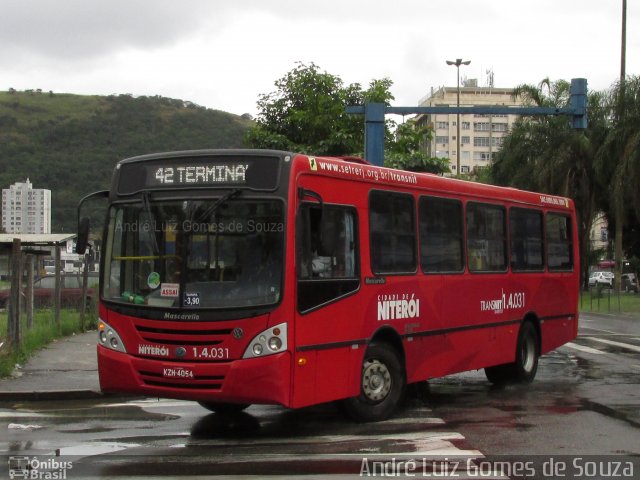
(263, 380)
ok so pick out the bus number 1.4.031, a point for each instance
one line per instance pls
(214, 353)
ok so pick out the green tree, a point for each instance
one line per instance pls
(307, 113)
(619, 165)
(403, 150)
(545, 154)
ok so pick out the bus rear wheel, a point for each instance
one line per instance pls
(220, 407)
(524, 369)
(382, 385)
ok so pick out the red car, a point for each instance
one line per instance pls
(44, 287)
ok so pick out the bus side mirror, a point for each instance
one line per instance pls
(83, 235)
(83, 223)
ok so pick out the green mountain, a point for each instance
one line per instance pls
(70, 143)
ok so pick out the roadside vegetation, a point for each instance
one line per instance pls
(43, 331)
(607, 301)
(70, 144)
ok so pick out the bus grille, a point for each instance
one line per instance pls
(182, 336)
(199, 382)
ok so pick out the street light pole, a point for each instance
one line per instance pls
(457, 63)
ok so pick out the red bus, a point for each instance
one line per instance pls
(238, 277)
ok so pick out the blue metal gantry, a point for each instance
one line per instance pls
(374, 116)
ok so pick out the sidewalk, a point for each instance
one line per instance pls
(65, 369)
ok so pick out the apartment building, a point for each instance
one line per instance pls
(26, 209)
(481, 136)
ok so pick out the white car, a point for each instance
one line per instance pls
(601, 278)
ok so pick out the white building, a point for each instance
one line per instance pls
(481, 136)
(25, 209)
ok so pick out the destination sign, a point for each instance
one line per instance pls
(232, 174)
(256, 173)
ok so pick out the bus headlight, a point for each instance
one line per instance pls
(273, 340)
(109, 338)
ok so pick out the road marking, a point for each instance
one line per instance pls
(603, 330)
(582, 348)
(626, 346)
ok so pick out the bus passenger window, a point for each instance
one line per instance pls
(525, 227)
(392, 228)
(441, 239)
(486, 238)
(559, 243)
(326, 254)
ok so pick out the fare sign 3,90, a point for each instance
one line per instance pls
(512, 301)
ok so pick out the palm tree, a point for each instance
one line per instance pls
(619, 160)
(545, 154)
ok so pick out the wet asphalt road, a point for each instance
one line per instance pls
(584, 401)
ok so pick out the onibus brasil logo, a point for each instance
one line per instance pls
(34, 468)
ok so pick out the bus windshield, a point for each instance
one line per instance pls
(214, 253)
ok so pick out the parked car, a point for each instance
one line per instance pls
(44, 288)
(604, 279)
(629, 282)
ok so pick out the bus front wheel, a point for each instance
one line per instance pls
(524, 369)
(382, 384)
(224, 407)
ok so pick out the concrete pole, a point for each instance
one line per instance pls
(58, 287)
(29, 293)
(14, 332)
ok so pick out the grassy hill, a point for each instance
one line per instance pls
(70, 143)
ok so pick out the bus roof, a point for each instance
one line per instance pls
(346, 168)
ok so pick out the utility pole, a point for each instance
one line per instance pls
(457, 63)
(619, 193)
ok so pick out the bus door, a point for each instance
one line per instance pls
(327, 314)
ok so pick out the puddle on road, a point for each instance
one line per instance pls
(97, 448)
(468, 398)
(88, 430)
(65, 413)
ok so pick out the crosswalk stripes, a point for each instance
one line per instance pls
(622, 345)
(584, 348)
(600, 343)
(324, 444)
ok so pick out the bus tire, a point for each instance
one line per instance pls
(524, 369)
(221, 407)
(382, 385)
(527, 354)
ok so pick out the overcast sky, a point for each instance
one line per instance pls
(224, 54)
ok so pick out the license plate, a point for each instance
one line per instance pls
(177, 373)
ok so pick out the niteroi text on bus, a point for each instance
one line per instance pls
(202, 174)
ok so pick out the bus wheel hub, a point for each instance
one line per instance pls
(376, 380)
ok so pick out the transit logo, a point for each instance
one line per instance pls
(398, 307)
(499, 305)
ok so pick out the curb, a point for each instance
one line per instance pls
(27, 395)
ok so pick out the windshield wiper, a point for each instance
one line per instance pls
(211, 209)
